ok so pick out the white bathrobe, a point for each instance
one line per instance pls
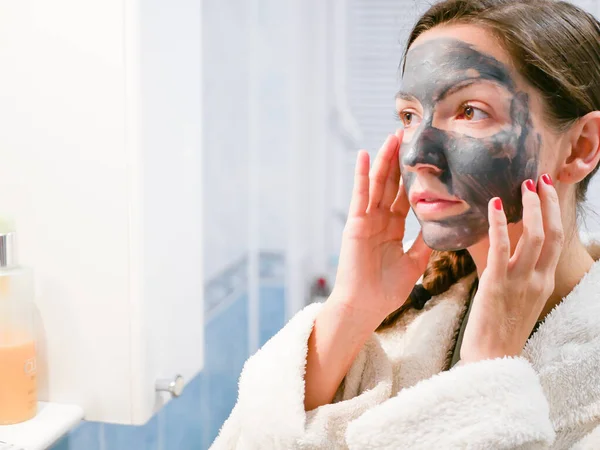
(399, 393)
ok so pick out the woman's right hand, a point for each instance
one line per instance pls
(375, 276)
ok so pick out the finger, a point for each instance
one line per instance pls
(399, 134)
(553, 229)
(360, 191)
(401, 205)
(499, 252)
(392, 183)
(527, 252)
(380, 170)
(419, 253)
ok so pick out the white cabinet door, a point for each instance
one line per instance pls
(100, 167)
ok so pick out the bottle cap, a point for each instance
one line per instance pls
(8, 243)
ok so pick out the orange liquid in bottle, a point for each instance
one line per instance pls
(18, 383)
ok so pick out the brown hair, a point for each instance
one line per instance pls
(555, 46)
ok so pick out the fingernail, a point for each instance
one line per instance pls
(529, 185)
(498, 203)
(547, 179)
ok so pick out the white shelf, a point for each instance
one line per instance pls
(51, 423)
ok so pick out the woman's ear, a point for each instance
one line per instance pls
(585, 149)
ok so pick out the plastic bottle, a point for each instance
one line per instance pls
(18, 383)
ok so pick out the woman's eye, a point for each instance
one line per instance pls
(471, 113)
(409, 119)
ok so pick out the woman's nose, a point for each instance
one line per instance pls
(426, 152)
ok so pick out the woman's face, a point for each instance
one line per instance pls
(472, 132)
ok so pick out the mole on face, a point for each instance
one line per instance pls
(472, 169)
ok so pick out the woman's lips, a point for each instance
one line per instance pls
(435, 205)
(435, 209)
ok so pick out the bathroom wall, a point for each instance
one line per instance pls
(278, 155)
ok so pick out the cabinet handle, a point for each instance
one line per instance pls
(174, 386)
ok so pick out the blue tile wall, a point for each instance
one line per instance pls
(63, 444)
(85, 436)
(121, 437)
(181, 423)
(226, 352)
(272, 311)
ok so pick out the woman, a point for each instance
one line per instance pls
(499, 346)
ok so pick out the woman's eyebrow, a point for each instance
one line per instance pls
(450, 90)
(457, 88)
(402, 95)
(464, 84)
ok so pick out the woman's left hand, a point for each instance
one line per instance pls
(513, 290)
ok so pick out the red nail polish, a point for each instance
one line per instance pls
(547, 179)
(498, 203)
(529, 185)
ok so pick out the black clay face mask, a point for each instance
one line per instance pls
(471, 169)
